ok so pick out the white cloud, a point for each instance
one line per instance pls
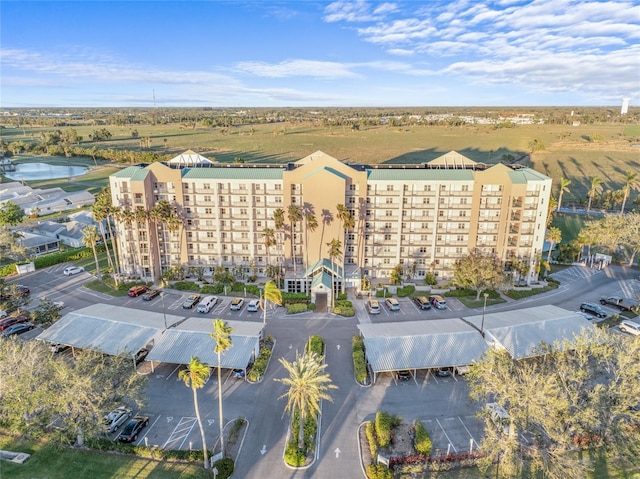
(296, 68)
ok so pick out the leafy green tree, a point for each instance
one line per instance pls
(195, 377)
(222, 276)
(47, 312)
(271, 293)
(11, 214)
(308, 385)
(222, 337)
(573, 394)
(395, 277)
(478, 271)
(631, 182)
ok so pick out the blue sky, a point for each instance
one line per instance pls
(319, 53)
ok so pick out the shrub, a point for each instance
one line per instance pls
(8, 270)
(309, 430)
(430, 279)
(342, 296)
(260, 365)
(288, 298)
(294, 456)
(371, 437)
(225, 467)
(311, 306)
(359, 362)
(237, 286)
(186, 286)
(379, 471)
(345, 310)
(296, 308)
(406, 291)
(423, 441)
(316, 345)
(58, 257)
(213, 289)
(383, 428)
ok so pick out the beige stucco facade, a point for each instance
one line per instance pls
(424, 216)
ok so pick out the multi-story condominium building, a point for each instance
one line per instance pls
(195, 213)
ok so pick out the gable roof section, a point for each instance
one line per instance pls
(134, 173)
(522, 331)
(189, 159)
(421, 344)
(231, 172)
(452, 160)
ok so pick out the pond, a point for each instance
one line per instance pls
(43, 171)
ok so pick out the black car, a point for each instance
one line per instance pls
(593, 309)
(130, 431)
(150, 294)
(403, 375)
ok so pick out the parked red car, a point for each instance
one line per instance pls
(137, 291)
(6, 322)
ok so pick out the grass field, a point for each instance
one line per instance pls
(577, 153)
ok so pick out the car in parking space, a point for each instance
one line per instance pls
(422, 302)
(71, 270)
(136, 291)
(131, 430)
(392, 304)
(593, 309)
(19, 328)
(238, 373)
(443, 372)
(438, 301)
(629, 327)
(11, 320)
(140, 355)
(191, 301)
(116, 418)
(236, 304)
(373, 306)
(56, 348)
(207, 303)
(253, 306)
(403, 375)
(150, 294)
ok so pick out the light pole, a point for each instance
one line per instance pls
(486, 295)
(164, 314)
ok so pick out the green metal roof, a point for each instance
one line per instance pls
(419, 174)
(525, 175)
(136, 173)
(324, 264)
(233, 173)
(322, 279)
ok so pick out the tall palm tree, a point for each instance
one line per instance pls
(271, 293)
(596, 187)
(222, 336)
(127, 217)
(159, 215)
(90, 237)
(141, 215)
(631, 182)
(553, 236)
(311, 225)
(195, 377)
(269, 236)
(334, 252)
(564, 188)
(308, 385)
(278, 222)
(100, 215)
(294, 215)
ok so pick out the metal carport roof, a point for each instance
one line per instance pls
(522, 331)
(108, 329)
(192, 338)
(421, 344)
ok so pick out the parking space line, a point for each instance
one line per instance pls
(181, 431)
(147, 431)
(171, 373)
(468, 432)
(445, 434)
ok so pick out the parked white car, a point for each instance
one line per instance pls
(630, 327)
(71, 270)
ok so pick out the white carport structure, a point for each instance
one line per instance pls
(109, 329)
(523, 331)
(193, 338)
(421, 345)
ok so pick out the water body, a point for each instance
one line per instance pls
(43, 171)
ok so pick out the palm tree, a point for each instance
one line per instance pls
(271, 293)
(311, 224)
(596, 187)
(554, 236)
(141, 215)
(127, 217)
(269, 236)
(308, 385)
(89, 238)
(334, 252)
(159, 215)
(222, 336)
(195, 377)
(631, 182)
(278, 221)
(564, 188)
(348, 223)
(294, 215)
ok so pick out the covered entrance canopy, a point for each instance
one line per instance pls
(109, 329)
(421, 344)
(193, 338)
(522, 331)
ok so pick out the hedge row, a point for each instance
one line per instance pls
(406, 291)
(316, 345)
(260, 365)
(344, 308)
(359, 362)
(293, 308)
(292, 298)
(384, 423)
(152, 452)
(423, 441)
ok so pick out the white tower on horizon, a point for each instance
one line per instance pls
(625, 106)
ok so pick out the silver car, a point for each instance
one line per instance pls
(116, 418)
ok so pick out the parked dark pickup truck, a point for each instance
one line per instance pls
(618, 302)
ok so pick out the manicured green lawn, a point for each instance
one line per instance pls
(61, 463)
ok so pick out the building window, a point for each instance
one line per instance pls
(387, 237)
(207, 198)
(388, 212)
(277, 187)
(352, 187)
(426, 200)
(208, 211)
(389, 201)
(243, 199)
(389, 187)
(465, 187)
(206, 186)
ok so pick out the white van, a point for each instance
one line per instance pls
(207, 303)
(253, 306)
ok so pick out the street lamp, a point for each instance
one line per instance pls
(484, 308)
(164, 314)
